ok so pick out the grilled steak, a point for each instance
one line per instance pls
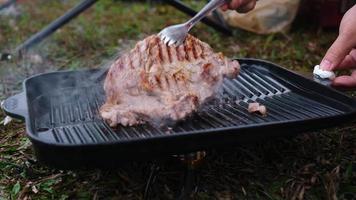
(155, 82)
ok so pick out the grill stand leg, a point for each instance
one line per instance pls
(56, 24)
(153, 174)
(7, 4)
(190, 178)
(48, 30)
(190, 183)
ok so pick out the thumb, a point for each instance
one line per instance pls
(336, 53)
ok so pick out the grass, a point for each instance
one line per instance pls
(314, 165)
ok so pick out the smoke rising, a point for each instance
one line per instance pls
(40, 60)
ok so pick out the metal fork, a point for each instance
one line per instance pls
(176, 34)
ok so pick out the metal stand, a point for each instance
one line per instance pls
(153, 174)
(56, 24)
(84, 5)
(7, 4)
(190, 178)
(48, 30)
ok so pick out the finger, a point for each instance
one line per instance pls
(225, 7)
(337, 52)
(246, 7)
(345, 81)
(349, 61)
(235, 4)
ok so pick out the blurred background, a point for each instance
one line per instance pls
(292, 33)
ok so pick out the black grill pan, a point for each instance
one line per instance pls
(61, 114)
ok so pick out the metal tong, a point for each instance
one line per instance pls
(176, 34)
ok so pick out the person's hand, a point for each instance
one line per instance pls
(241, 6)
(342, 53)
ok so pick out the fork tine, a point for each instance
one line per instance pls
(163, 38)
(171, 42)
(166, 41)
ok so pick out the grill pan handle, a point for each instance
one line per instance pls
(16, 106)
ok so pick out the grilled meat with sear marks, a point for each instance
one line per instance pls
(155, 82)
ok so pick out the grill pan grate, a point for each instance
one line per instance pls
(63, 121)
(74, 118)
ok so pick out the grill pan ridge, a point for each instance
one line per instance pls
(63, 124)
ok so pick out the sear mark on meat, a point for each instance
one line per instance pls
(155, 82)
(257, 108)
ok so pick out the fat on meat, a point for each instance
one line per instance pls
(257, 108)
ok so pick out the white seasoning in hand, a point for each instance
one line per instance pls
(323, 73)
